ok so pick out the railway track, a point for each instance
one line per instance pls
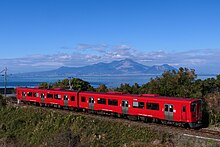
(203, 133)
(210, 131)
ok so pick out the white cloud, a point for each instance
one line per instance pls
(174, 64)
(203, 60)
(46, 64)
(93, 47)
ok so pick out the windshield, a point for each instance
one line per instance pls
(193, 107)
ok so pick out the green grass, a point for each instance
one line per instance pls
(34, 127)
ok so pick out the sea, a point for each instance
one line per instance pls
(95, 81)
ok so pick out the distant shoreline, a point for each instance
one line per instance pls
(101, 75)
(95, 81)
(8, 91)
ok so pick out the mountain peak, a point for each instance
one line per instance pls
(129, 66)
(121, 67)
(128, 59)
(161, 68)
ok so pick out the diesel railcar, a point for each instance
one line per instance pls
(146, 107)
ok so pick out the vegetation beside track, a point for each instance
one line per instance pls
(25, 126)
(36, 126)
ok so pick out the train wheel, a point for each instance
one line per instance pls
(149, 120)
(158, 121)
(164, 122)
(90, 111)
(185, 125)
(119, 115)
(114, 114)
(133, 118)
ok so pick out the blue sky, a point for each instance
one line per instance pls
(40, 35)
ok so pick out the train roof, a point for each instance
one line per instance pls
(155, 96)
(52, 89)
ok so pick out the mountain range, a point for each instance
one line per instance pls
(122, 67)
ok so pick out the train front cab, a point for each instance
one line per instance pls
(195, 114)
(18, 94)
(186, 112)
(25, 95)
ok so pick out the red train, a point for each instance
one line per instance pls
(146, 107)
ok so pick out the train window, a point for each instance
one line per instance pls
(153, 106)
(36, 94)
(124, 103)
(29, 93)
(135, 104)
(113, 102)
(166, 108)
(138, 104)
(171, 108)
(184, 109)
(72, 98)
(65, 97)
(57, 96)
(83, 99)
(23, 93)
(42, 95)
(49, 95)
(91, 100)
(193, 107)
(101, 101)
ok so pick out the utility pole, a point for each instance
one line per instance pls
(71, 87)
(3, 101)
(5, 81)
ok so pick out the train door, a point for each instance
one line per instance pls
(196, 110)
(91, 103)
(23, 96)
(65, 98)
(183, 113)
(124, 106)
(42, 97)
(168, 112)
(18, 96)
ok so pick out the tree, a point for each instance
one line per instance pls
(80, 85)
(209, 86)
(61, 84)
(151, 87)
(218, 82)
(173, 83)
(185, 82)
(213, 105)
(77, 84)
(2, 101)
(135, 89)
(44, 85)
(102, 88)
(124, 88)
